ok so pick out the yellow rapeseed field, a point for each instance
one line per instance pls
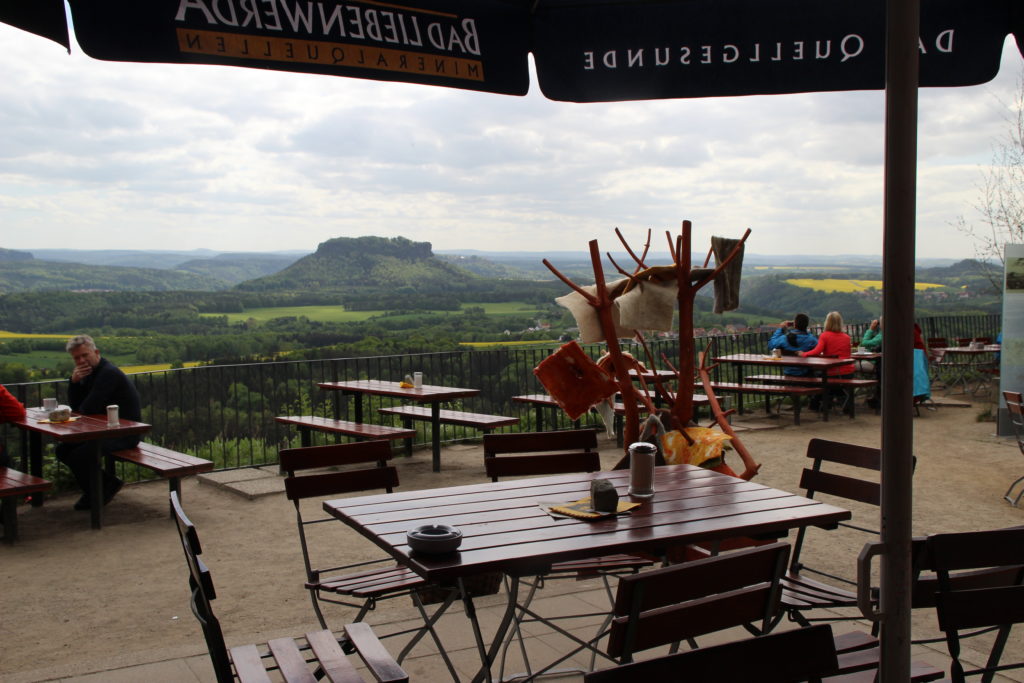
(535, 342)
(835, 285)
(4, 334)
(136, 369)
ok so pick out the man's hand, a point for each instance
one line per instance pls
(81, 372)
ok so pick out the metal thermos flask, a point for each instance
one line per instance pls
(641, 469)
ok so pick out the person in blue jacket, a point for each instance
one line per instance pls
(792, 337)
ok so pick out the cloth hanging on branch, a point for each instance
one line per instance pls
(586, 315)
(648, 306)
(574, 380)
(727, 282)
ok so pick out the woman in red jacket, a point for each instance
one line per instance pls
(10, 410)
(834, 343)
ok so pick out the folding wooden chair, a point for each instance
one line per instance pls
(361, 585)
(803, 654)
(1014, 402)
(690, 600)
(318, 654)
(808, 588)
(562, 452)
(963, 605)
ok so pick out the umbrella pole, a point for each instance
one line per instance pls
(901, 81)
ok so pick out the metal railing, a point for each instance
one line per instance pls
(226, 413)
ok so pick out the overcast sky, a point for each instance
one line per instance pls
(97, 155)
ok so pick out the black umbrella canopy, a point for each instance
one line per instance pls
(585, 50)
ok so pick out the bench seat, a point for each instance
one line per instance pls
(539, 403)
(454, 417)
(850, 384)
(854, 382)
(171, 465)
(13, 484)
(361, 430)
(795, 392)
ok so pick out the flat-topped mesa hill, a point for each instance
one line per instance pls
(361, 263)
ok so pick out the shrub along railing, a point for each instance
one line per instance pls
(226, 413)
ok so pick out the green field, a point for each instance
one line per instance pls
(337, 314)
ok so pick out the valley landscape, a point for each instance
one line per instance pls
(376, 296)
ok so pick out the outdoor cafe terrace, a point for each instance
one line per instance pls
(107, 605)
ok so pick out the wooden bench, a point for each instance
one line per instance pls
(13, 484)
(171, 465)
(452, 417)
(361, 430)
(849, 384)
(539, 403)
(794, 392)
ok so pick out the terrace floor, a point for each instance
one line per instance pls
(112, 605)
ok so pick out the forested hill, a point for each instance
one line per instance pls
(20, 274)
(236, 268)
(355, 264)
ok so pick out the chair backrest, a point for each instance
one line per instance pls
(814, 480)
(696, 598)
(936, 342)
(802, 654)
(535, 453)
(1014, 407)
(330, 483)
(201, 586)
(962, 606)
(380, 476)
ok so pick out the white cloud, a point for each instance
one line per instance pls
(105, 155)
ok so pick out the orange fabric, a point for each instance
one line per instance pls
(574, 380)
(708, 445)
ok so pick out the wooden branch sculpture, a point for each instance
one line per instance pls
(602, 300)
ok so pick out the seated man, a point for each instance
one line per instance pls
(792, 337)
(95, 384)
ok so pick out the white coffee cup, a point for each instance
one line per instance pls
(49, 404)
(112, 417)
(417, 379)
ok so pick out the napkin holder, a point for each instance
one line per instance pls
(603, 496)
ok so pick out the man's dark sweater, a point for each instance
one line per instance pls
(105, 385)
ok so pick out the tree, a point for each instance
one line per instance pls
(1001, 204)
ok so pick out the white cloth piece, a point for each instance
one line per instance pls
(648, 306)
(586, 315)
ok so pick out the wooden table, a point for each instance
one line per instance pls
(816, 364)
(505, 530)
(968, 367)
(434, 395)
(87, 428)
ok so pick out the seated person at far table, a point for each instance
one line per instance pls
(11, 410)
(792, 337)
(872, 342)
(95, 384)
(872, 339)
(834, 343)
